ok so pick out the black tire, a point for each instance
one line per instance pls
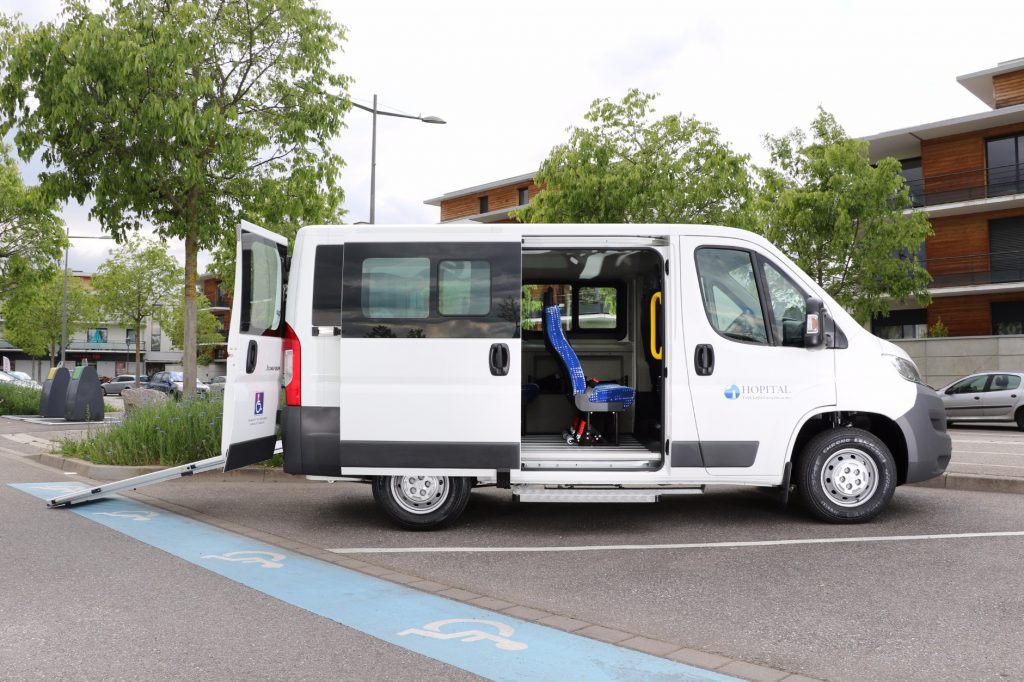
(869, 476)
(1019, 418)
(949, 423)
(422, 502)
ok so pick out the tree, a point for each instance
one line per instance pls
(181, 114)
(33, 314)
(135, 283)
(842, 219)
(31, 233)
(627, 167)
(172, 319)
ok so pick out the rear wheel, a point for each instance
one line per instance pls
(846, 476)
(422, 502)
(1019, 418)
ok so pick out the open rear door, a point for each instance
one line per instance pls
(252, 391)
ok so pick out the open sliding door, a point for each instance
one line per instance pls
(430, 355)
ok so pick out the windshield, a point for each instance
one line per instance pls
(177, 376)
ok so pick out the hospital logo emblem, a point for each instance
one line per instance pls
(733, 392)
(258, 408)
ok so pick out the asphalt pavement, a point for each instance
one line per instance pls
(932, 590)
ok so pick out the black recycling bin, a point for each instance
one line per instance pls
(84, 396)
(55, 392)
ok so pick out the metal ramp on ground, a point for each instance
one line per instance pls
(107, 489)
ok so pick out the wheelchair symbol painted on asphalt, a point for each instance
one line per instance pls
(500, 640)
(264, 559)
(133, 515)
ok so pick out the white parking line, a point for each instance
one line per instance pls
(979, 464)
(685, 545)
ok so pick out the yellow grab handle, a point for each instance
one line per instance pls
(656, 353)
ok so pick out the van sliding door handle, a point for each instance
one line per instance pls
(499, 359)
(704, 360)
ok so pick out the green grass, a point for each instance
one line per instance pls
(166, 434)
(19, 399)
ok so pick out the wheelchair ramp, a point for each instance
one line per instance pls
(100, 491)
(551, 452)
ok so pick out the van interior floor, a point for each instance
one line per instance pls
(549, 451)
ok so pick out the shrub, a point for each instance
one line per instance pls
(164, 434)
(19, 399)
(938, 330)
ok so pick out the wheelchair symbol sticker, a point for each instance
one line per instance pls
(500, 640)
(258, 409)
(264, 559)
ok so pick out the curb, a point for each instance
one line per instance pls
(980, 483)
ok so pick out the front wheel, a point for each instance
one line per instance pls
(422, 502)
(846, 476)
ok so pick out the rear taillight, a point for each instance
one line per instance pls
(292, 367)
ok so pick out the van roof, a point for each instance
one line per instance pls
(652, 230)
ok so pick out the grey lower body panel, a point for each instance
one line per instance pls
(738, 454)
(929, 447)
(312, 446)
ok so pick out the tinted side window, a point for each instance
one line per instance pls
(972, 385)
(1004, 382)
(729, 291)
(327, 265)
(431, 290)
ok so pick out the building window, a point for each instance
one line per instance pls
(1008, 318)
(901, 324)
(524, 195)
(1006, 247)
(154, 339)
(914, 176)
(129, 337)
(96, 335)
(484, 206)
(1005, 162)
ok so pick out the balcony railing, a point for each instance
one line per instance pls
(106, 346)
(976, 268)
(967, 185)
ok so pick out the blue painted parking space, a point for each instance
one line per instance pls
(486, 643)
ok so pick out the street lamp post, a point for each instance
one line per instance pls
(373, 148)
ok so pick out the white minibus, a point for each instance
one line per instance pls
(565, 363)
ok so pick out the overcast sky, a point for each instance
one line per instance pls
(509, 79)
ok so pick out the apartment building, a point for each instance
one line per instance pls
(966, 174)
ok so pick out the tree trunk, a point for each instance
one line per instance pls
(189, 326)
(138, 353)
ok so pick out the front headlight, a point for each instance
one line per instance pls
(906, 369)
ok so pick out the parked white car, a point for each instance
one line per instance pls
(985, 397)
(18, 379)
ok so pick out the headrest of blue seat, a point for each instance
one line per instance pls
(556, 339)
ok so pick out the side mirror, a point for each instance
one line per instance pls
(813, 333)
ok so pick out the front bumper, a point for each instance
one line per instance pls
(929, 447)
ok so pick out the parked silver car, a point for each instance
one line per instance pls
(121, 382)
(217, 384)
(986, 396)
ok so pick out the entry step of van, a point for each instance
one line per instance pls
(540, 493)
(551, 452)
